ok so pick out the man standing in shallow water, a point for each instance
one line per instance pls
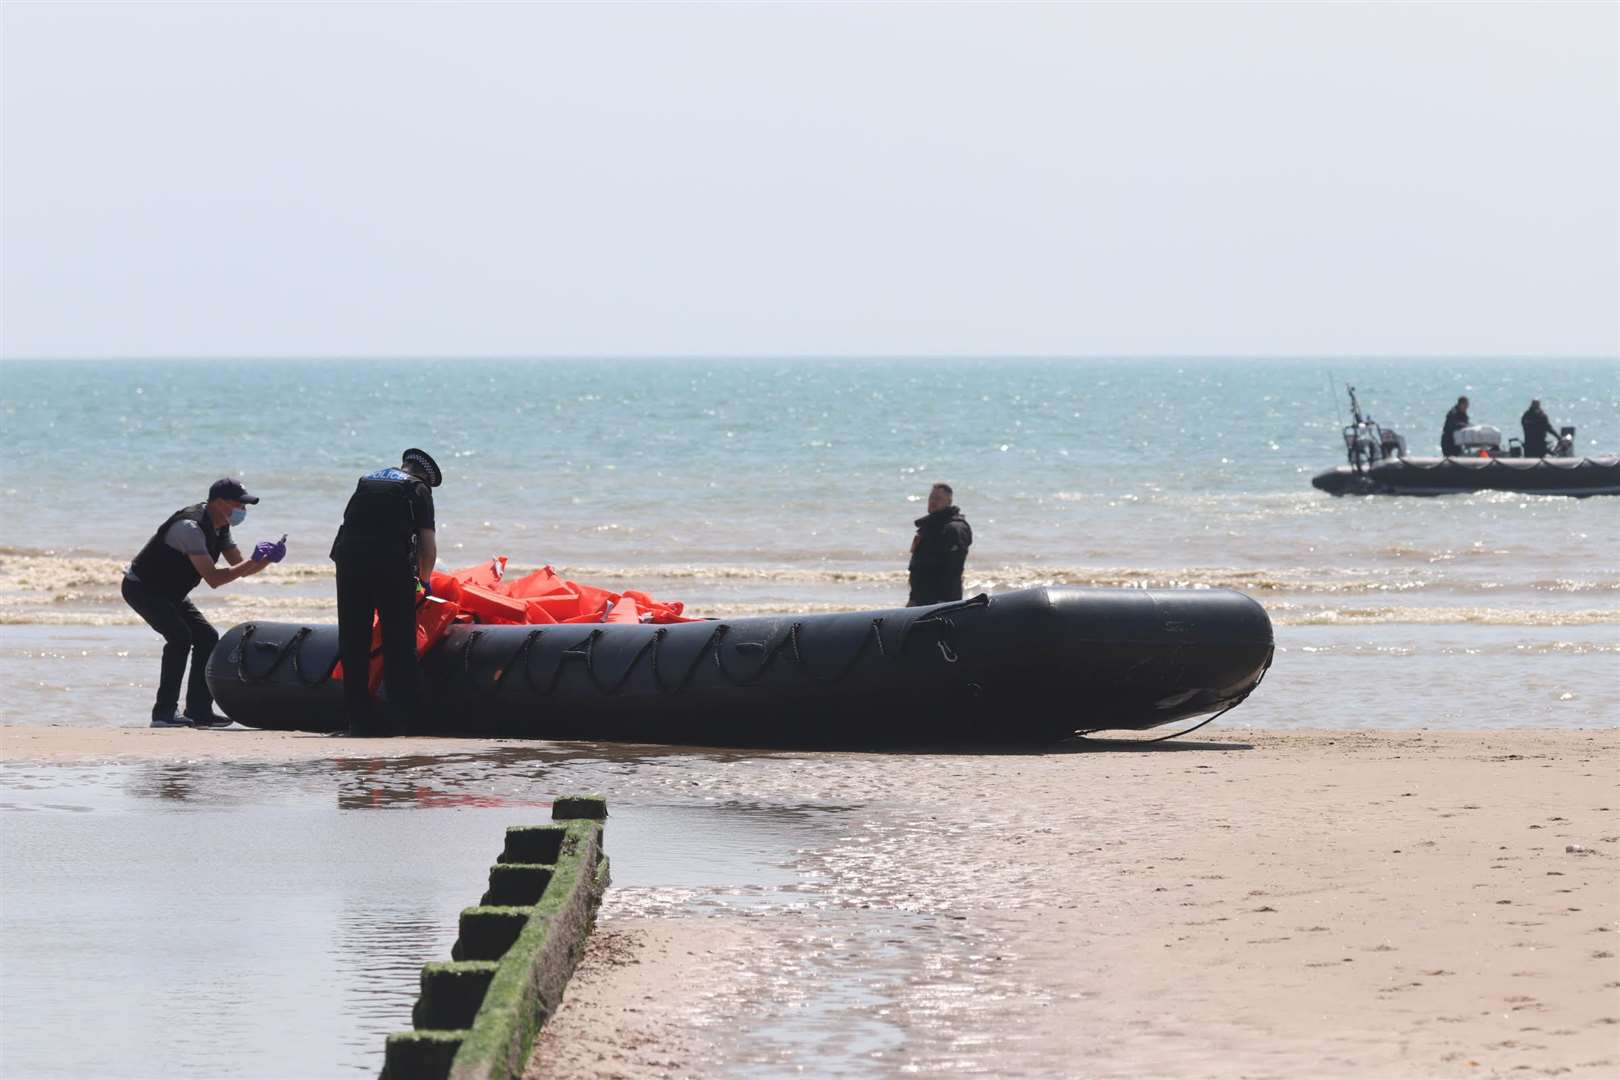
(939, 550)
(180, 554)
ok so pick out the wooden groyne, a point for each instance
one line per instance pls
(478, 1014)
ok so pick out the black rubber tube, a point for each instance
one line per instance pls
(1027, 666)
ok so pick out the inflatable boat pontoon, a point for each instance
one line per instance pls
(1032, 665)
(1578, 477)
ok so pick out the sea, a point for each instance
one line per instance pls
(256, 917)
(743, 486)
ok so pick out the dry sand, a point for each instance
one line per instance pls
(1251, 904)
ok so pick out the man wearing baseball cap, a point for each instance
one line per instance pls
(183, 552)
(384, 547)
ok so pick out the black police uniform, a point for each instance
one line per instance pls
(156, 586)
(937, 557)
(1536, 429)
(1456, 419)
(376, 556)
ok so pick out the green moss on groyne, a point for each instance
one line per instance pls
(516, 884)
(477, 1015)
(452, 994)
(593, 807)
(421, 1055)
(487, 932)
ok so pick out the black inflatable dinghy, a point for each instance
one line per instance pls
(1378, 464)
(1026, 666)
(1578, 477)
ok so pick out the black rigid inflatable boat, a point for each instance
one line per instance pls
(1032, 665)
(1379, 465)
(1578, 477)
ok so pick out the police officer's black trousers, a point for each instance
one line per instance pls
(392, 596)
(185, 633)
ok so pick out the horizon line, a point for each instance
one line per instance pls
(744, 357)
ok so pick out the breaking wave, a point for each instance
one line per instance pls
(1310, 615)
(1302, 580)
(47, 588)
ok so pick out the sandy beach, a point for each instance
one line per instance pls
(797, 323)
(1248, 903)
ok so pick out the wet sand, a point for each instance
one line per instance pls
(1270, 906)
(64, 745)
(1246, 903)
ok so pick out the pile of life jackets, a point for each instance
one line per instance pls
(483, 594)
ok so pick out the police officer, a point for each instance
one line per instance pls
(939, 550)
(1536, 429)
(1456, 420)
(385, 546)
(183, 552)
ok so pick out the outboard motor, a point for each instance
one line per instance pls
(1361, 444)
(1366, 442)
(1471, 440)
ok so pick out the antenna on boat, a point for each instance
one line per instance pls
(1338, 412)
(1355, 406)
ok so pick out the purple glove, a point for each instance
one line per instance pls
(270, 551)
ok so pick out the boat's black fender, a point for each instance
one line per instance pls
(1577, 477)
(1034, 664)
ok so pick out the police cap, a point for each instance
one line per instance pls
(425, 463)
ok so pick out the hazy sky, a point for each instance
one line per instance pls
(369, 179)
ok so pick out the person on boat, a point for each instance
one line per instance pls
(385, 546)
(1456, 419)
(1536, 429)
(184, 551)
(939, 550)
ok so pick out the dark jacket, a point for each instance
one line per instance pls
(161, 567)
(1456, 418)
(1536, 429)
(381, 521)
(937, 555)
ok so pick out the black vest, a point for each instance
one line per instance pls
(935, 570)
(379, 527)
(1537, 426)
(170, 572)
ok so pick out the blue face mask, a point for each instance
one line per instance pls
(238, 515)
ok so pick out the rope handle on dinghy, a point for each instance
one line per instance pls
(585, 650)
(293, 647)
(1539, 463)
(1081, 735)
(942, 616)
(768, 653)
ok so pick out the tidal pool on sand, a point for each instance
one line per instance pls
(248, 920)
